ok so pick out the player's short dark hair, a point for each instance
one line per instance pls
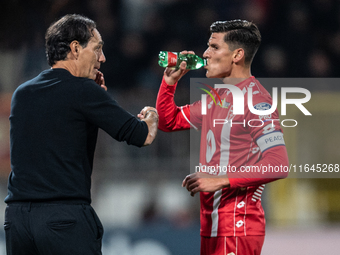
(239, 34)
(65, 30)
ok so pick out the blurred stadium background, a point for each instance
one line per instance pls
(137, 192)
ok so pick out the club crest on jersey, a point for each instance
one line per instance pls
(224, 104)
(262, 107)
(219, 102)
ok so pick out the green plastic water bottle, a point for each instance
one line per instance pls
(174, 59)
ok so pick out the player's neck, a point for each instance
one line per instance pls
(240, 72)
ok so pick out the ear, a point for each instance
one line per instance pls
(238, 55)
(75, 49)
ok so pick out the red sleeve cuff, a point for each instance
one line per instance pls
(170, 88)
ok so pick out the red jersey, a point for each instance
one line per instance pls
(231, 143)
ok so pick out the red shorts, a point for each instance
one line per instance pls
(233, 245)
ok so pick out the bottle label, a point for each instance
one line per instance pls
(172, 59)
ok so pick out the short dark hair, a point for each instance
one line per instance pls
(65, 30)
(239, 34)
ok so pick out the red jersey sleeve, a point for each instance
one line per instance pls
(266, 131)
(173, 117)
(272, 166)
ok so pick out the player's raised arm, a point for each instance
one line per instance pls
(173, 75)
(171, 116)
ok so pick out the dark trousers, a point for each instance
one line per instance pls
(52, 229)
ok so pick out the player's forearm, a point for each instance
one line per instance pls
(166, 106)
(271, 167)
(204, 182)
(222, 182)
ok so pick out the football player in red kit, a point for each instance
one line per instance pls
(232, 217)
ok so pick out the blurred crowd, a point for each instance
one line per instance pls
(301, 38)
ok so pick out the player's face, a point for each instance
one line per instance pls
(91, 57)
(219, 57)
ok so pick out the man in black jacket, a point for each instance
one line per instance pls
(54, 124)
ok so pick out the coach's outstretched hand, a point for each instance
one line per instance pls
(150, 116)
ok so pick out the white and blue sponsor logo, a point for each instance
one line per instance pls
(263, 106)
